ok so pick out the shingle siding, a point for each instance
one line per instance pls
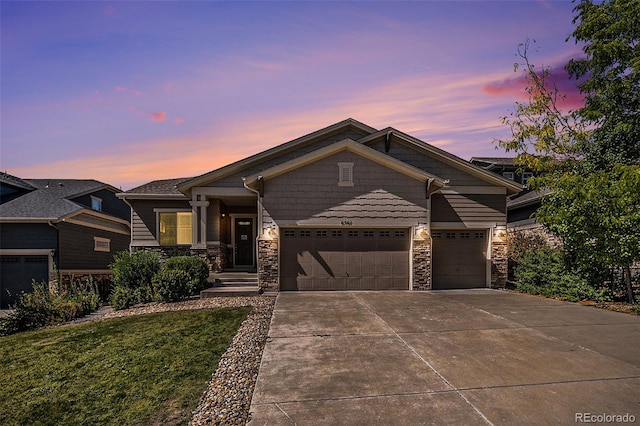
(468, 208)
(429, 164)
(310, 195)
(236, 178)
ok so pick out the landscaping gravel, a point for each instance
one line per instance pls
(228, 396)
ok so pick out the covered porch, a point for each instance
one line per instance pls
(224, 224)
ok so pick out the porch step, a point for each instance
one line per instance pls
(230, 291)
(234, 279)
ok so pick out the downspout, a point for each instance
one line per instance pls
(56, 265)
(130, 223)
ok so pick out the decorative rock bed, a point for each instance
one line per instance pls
(228, 395)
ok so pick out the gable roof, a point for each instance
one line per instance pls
(164, 188)
(50, 199)
(494, 161)
(346, 145)
(446, 157)
(15, 181)
(245, 163)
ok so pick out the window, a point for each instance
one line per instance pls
(435, 235)
(101, 244)
(508, 175)
(399, 233)
(465, 235)
(289, 233)
(305, 233)
(322, 233)
(96, 203)
(367, 233)
(353, 233)
(450, 235)
(479, 235)
(336, 233)
(385, 233)
(526, 176)
(345, 174)
(175, 228)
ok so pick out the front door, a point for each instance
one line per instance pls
(244, 240)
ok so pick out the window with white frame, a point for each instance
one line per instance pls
(174, 228)
(526, 176)
(101, 244)
(345, 174)
(96, 203)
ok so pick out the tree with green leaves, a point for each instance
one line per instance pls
(590, 157)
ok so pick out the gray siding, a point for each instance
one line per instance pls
(77, 247)
(468, 208)
(143, 228)
(236, 178)
(310, 195)
(429, 164)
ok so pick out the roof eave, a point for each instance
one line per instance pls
(512, 187)
(219, 173)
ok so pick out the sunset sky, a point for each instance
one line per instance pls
(129, 92)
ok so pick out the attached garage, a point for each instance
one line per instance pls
(459, 259)
(17, 274)
(344, 259)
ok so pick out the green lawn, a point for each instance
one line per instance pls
(149, 369)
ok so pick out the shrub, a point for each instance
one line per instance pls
(132, 277)
(196, 267)
(172, 285)
(42, 307)
(136, 269)
(542, 271)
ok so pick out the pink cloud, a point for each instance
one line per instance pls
(178, 120)
(158, 117)
(168, 87)
(515, 86)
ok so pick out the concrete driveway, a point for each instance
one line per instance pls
(447, 357)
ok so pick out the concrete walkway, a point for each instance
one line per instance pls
(448, 357)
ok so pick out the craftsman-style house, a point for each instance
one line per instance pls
(345, 207)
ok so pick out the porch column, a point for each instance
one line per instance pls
(199, 206)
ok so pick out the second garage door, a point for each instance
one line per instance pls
(17, 274)
(459, 259)
(344, 259)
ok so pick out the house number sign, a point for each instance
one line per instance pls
(346, 222)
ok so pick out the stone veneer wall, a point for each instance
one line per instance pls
(268, 265)
(498, 264)
(216, 257)
(421, 265)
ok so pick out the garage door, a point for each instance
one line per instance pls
(459, 259)
(17, 273)
(344, 259)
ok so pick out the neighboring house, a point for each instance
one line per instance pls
(50, 226)
(345, 207)
(504, 166)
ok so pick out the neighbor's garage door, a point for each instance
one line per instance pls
(344, 259)
(459, 259)
(17, 274)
